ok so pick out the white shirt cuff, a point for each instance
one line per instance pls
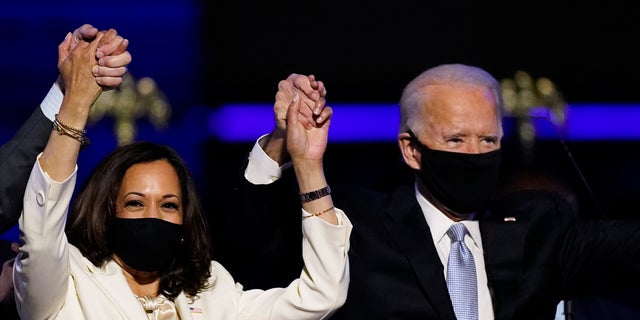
(52, 101)
(261, 169)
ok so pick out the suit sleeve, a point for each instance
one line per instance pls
(322, 285)
(41, 270)
(17, 157)
(259, 225)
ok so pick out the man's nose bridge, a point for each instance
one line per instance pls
(474, 147)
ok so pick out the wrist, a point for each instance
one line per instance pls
(309, 178)
(74, 107)
(274, 146)
(307, 164)
(60, 84)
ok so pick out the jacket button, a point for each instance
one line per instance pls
(40, 199)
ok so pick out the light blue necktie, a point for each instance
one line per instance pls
(461, 275)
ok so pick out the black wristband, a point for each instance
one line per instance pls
(316, 194)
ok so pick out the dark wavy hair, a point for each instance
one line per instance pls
(94, 209)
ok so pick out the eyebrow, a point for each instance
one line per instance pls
(454, 135)
(171, 195)
(140, 194)
(491, 135)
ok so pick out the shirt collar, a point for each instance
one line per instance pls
(439, 223)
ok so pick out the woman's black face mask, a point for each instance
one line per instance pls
(145, 244)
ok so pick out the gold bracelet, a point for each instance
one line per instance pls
(70, 128)
(317, 214)
(77, 134)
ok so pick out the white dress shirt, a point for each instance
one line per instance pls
(439, 224)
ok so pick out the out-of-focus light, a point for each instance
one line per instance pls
(368, 122)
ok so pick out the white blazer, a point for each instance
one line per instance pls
(54, 281)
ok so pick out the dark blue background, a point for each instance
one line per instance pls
(204, 54)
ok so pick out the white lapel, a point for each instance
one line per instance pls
(184, 308)
(116, 290)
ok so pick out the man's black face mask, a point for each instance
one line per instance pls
(463, 182)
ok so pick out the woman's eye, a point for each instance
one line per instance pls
(133, 203)
(171, 205)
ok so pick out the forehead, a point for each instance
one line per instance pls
(158, 174)
(452, 94)
(460, 106)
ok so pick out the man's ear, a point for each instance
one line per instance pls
(410, 151)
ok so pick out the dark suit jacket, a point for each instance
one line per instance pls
(16, 161)
(546, 255)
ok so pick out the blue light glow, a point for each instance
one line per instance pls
(371, 122)
(603, 122)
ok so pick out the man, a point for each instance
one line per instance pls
(529, 250)
(18, 155)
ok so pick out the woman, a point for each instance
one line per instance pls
(138, 246)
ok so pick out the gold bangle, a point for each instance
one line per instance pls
(77, 134)
(68, 127)
(317, 214)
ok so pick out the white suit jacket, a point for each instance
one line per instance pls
(54, 281)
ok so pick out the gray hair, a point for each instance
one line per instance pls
(455, 74)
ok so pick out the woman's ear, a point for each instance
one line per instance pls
(409, 149)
